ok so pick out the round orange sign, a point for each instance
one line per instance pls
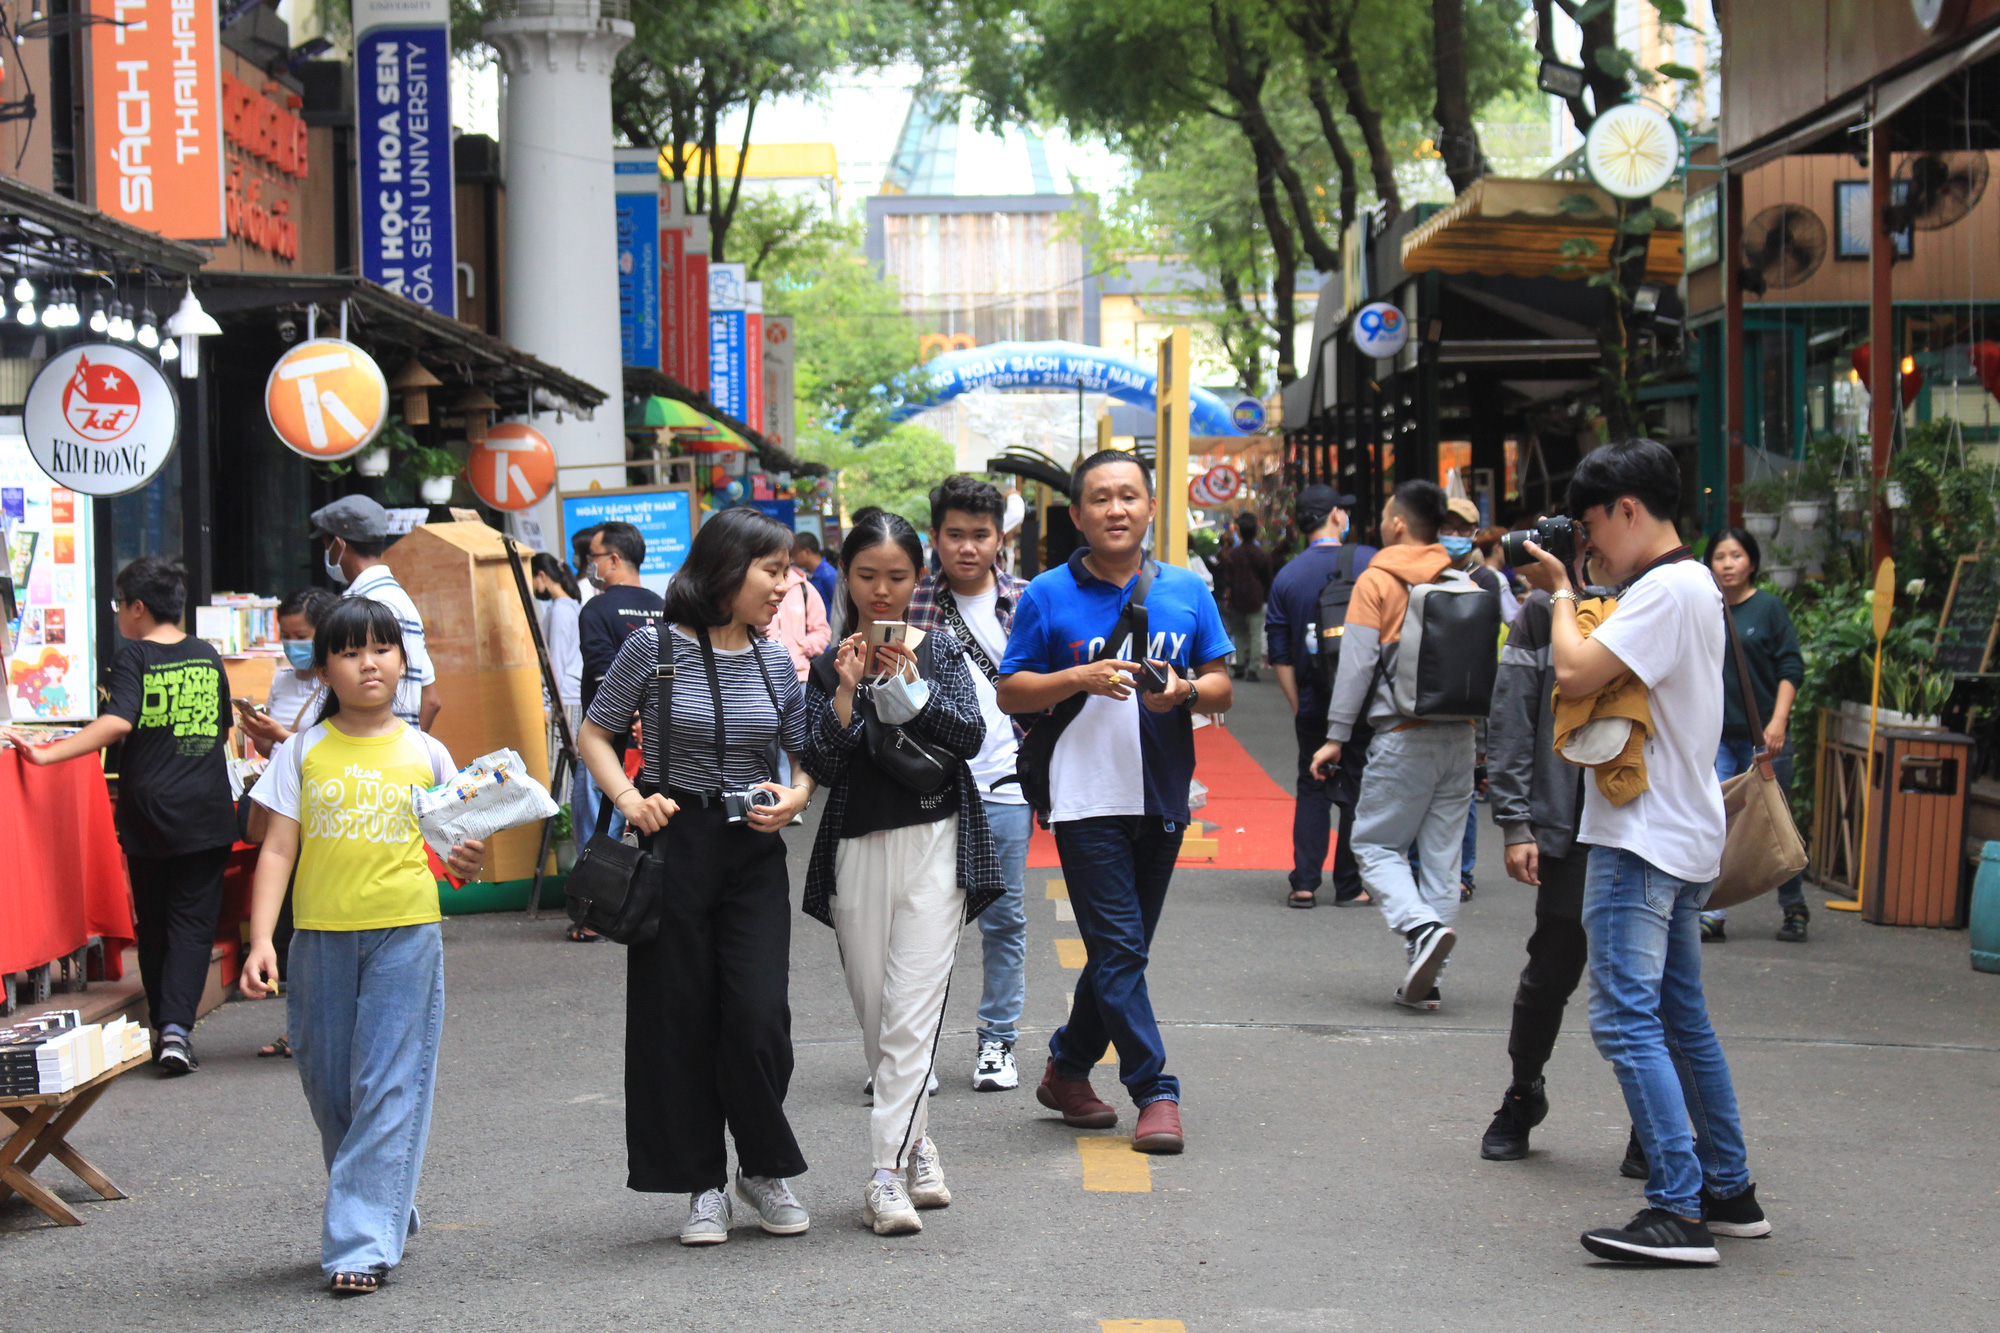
(513, 467)
(326, 399)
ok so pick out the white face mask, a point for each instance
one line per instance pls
(897, 700)
(334, 571)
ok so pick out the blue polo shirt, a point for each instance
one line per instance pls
(1117, 757)
(1294, 604)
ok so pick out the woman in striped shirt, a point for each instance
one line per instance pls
(708, 1043)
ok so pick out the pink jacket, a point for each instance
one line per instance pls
(801, 623)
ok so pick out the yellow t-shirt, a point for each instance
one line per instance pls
(361, 858)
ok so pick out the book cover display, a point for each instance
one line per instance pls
(45, 534)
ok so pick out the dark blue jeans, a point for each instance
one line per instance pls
(1117, 868)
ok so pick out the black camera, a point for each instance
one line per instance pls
(1554, 534)
(737, 805)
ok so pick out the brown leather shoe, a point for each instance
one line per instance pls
(1159, 1127)
(1076, 1100)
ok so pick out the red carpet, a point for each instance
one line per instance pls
(1249, 815)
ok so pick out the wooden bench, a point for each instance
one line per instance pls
(42, 1124)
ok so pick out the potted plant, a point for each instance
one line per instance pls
(1784, 569)
(433, 469)
(563, 839)
(1761, 499)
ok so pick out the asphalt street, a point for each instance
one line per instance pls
(1332, 1178)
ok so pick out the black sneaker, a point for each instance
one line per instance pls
(1635, 1166)
(1740, 1215)
(1714, 929)
(1794, 929)
(176, 1056)
(1521, 1109)
(1428, 946)
(1654, 1236)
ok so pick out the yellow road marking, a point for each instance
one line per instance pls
(1070, 953)
(1141, 1326)
(1198, 849)
(1064, 912)
(1110, 1055)
(1110, 1166)
(1057, 889)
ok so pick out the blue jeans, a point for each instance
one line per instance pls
(1117, 868)
(1004, 926)
(583, 809)
(1650, 1020)
(1733, 757)
(366, 1010)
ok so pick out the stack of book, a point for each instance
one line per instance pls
(55, 1052)
(238, 623)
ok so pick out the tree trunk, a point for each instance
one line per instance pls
(1245, 87)
(1343, 156)
(1347, 67)
(725, 214)
(1245, 356)
(1284, 271)
(1458, 136)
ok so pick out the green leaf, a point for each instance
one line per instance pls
(1591, 9)
(1674, 70)
(1580, 204)
(1578, 247)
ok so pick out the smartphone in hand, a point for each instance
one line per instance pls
(1152, 676)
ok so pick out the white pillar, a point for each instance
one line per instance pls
(561, 302)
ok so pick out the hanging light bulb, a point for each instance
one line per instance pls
(99, 321)
(121, 323)
(25, 313)
(71, 315)
(24, 291)
(149, 332)
(51, 316)
(169, 349)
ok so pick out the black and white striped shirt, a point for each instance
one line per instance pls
(750, 721)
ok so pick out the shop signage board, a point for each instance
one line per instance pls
(780, 412)
(266, 161)
(45, 537)
(1381, 330)
(694, 304)
(155, 105)
(728, 355)
(1247, 415)
(402, 148)
(326, 399)
(636, 186)
(101, 419)
(513, 467)
(666, 517)
(753, 355)
(1632, 151)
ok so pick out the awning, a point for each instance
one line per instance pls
(393, 327)
(1517, 228)
(1799, 140)
(1898, 93)
(646, 382)
(60, 232)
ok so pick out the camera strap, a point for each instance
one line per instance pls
(715, 695)
(1673, 557)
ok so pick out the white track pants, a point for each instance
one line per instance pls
(897, 909)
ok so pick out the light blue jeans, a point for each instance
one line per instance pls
(1004, 926)
(366, 1009)
(1650, 1020)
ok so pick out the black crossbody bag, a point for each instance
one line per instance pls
(1034, 761)
(616, 888)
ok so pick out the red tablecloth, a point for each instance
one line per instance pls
(62, 874)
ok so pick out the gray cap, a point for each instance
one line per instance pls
(353, 518)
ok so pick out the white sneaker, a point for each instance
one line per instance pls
(778, 1211)
(996, 1071)
(926, 1177)
(868, 1089)
(708, 1219)
(886, 1208)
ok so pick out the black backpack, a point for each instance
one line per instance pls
(1320, 644)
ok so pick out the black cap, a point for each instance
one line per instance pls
(352, 518)
(1322, 500)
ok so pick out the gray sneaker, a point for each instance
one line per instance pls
(778, 1212)
(926, 1177)
(995, 1071)
(886, 1209)
(708, 1219)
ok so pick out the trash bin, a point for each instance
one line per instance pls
(1986, 910)
(1917, 843)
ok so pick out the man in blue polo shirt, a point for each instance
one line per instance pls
(1118, 776)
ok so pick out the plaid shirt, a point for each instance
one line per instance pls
(925, 614)
(951, 719)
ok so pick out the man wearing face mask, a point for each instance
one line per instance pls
(1461, 521)
(352, 533)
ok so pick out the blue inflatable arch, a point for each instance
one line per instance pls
(1059, 365)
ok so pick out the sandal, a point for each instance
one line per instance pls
(582, 935)
(280, 1046)
(1302, 898)
(355, 1284)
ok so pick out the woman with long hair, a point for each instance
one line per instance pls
(1777, 670)
(708, 1028)
(902, 859)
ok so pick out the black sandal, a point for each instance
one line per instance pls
(1302, 898)
(355, 1284)
(582, 935)
(281, 1046)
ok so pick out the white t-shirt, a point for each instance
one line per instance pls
(294, 699)
(996, 753)
(1669, 630)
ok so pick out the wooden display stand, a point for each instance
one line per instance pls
(487, 673)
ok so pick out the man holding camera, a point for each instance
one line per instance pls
(1117, 778)
(1654, 859)
(969, 596)
(1417, 787)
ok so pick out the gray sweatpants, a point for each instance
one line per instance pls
(1415, 790)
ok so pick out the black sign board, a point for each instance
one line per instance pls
(1971, 620)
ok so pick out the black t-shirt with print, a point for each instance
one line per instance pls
(173, 782)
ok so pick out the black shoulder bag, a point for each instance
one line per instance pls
(899, 751)
(1034, 761)
(615, 888)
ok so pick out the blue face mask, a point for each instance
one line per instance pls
(299, 652)
(1456, 547)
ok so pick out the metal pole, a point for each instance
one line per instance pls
(565, 761)
(1884, 371)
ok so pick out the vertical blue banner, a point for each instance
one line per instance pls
(638, 201)
(402, 149)
(728, 361)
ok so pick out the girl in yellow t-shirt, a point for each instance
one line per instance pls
(367, 960)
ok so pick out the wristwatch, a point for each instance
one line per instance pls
(1564, 595)
(1193, 695)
